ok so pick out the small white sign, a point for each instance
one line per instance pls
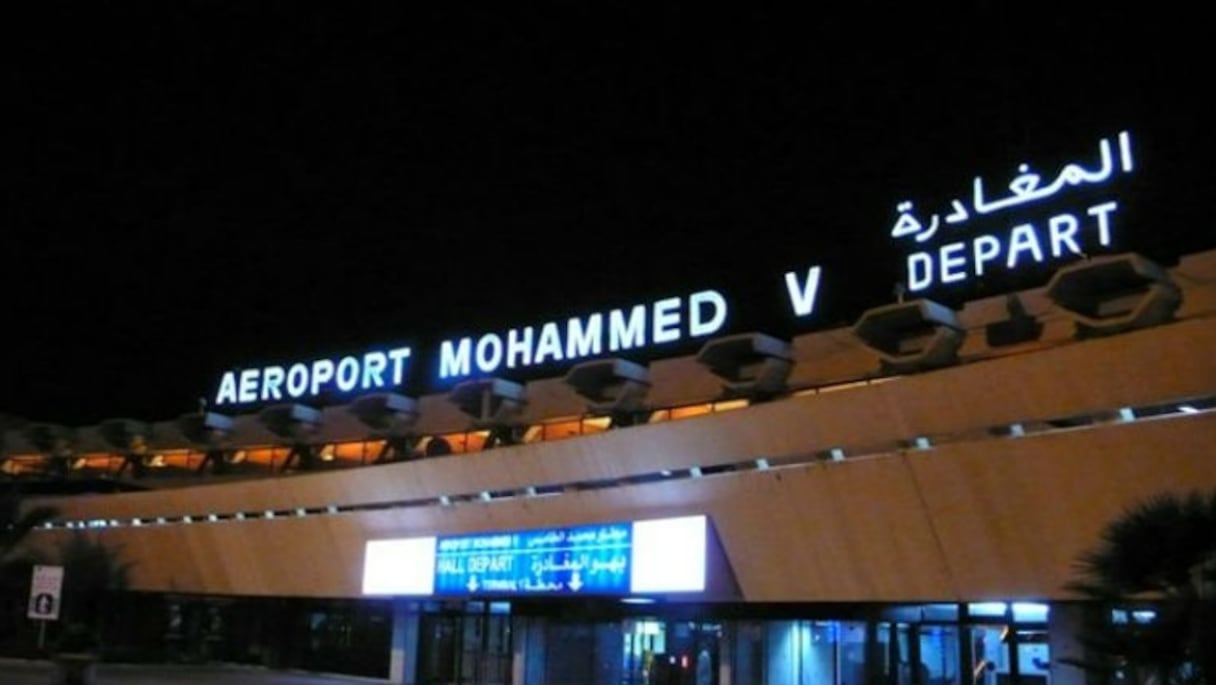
(45, 589)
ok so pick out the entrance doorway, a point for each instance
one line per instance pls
(466, 644)
(658, 652)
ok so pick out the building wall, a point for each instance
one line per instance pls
(980, 512)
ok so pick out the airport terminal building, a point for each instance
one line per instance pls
(899, 502)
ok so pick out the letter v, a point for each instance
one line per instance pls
(802, 298)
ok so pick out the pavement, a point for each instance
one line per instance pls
(28, 672)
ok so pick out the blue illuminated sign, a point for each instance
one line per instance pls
(583, 560)
(663, 555)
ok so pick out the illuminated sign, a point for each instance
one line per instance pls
(589, 559)
(654, 556)
(1032, 221)
(664, 321)
(1062, 234)
(310, 380)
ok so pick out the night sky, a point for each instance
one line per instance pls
(193, 187)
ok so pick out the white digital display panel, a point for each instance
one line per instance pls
(668, 555)
(405, 566)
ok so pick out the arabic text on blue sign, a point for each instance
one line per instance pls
(586, 559)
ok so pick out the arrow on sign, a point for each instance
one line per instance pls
(45, 586)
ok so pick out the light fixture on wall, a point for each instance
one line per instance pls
(613, 387)
(1114, 293)
(131, 439)
(298, 425)
(494, 404)
(56, 443)
(752, 366)
(208, 432)
(1018, 326)
(914, 335)
(390, 417)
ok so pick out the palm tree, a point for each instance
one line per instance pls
(93, 573)
(1150, 580)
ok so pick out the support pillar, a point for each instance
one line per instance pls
(403, 658)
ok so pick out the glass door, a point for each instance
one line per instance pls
(470, 647)
(939, 656)
(644, 638)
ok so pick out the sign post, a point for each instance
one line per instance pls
(46, 585)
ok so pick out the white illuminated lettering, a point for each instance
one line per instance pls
(985, 249)
(920, 271)
(953, 262)
(399, 355)
(272, 378)
(322, 372)
(374, 364)
(519, 348)
(1103, 212)
(697, 303)
(1026, 187)
(312, 378)
(1063, 229)
(297, 380)
(249, 385)
(584, 339)
(623, 333)
(489, 352)
(802, 297)
(959, 213)
(910, 225)
(454, 359)
(666, 320)
(1125, 152)
(956, 262)
(227, 392)
(348, 374)
(549, 347)
(1023, 239)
